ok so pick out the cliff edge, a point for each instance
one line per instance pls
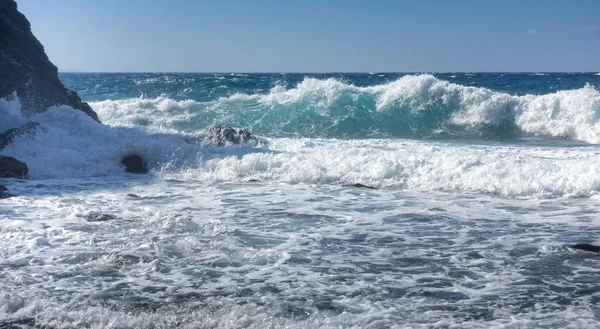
(26, 69)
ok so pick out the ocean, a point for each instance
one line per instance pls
(472, 187)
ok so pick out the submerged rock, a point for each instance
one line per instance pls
(221, 135)
(134, 164)
(359, 185)
(26, 70)
(586, 247)
(98, 217)
(12, 168)
(10, 135)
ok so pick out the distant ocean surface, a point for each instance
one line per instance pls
(476, 183)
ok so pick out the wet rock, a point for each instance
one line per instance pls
(221, 135)
(26, 70)
(10, 135)
(586, 247)
(4, 193)
(98, 217)
(131, 195)
(12, 168)
(134, 164)
(359, 185)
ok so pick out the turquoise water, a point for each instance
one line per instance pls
(482, 181)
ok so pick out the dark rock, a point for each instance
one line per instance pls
(131, 195)
(134, 164)
(359, 185)
(10, 135)
(253, 181)
(221, 136)
(586, 247)
(98, 217)
(12, 168)
(26, 69)
(3, 193)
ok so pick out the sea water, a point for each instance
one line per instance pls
(477, 185)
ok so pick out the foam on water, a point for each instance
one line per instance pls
(273, 255)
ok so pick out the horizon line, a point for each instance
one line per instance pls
(315, 72)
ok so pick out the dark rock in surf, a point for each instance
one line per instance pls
(131, 195)
(4, 193)
(10, 135)
(359, 185)
(586, 247)
(134, 164)
(221, 136)
(12, 168)
(98, 217)
(26, 70)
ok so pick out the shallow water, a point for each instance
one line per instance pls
(199, 254)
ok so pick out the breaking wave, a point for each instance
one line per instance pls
(163, 131)
(414, 106)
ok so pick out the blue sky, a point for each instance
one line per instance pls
(318, 35)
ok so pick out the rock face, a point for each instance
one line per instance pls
(26, 70)
(12, 168)
(220, 135)
(134, 164)
(10, 135)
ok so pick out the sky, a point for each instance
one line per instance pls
(318, 35)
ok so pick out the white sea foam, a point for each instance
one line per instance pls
(255, 255)
(506, 171)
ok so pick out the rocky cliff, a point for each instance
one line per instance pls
(26, 69)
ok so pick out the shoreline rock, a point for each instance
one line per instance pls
(134, 164)
(26, 69)
(12, 168)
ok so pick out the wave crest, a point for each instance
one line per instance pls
(414, 106)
